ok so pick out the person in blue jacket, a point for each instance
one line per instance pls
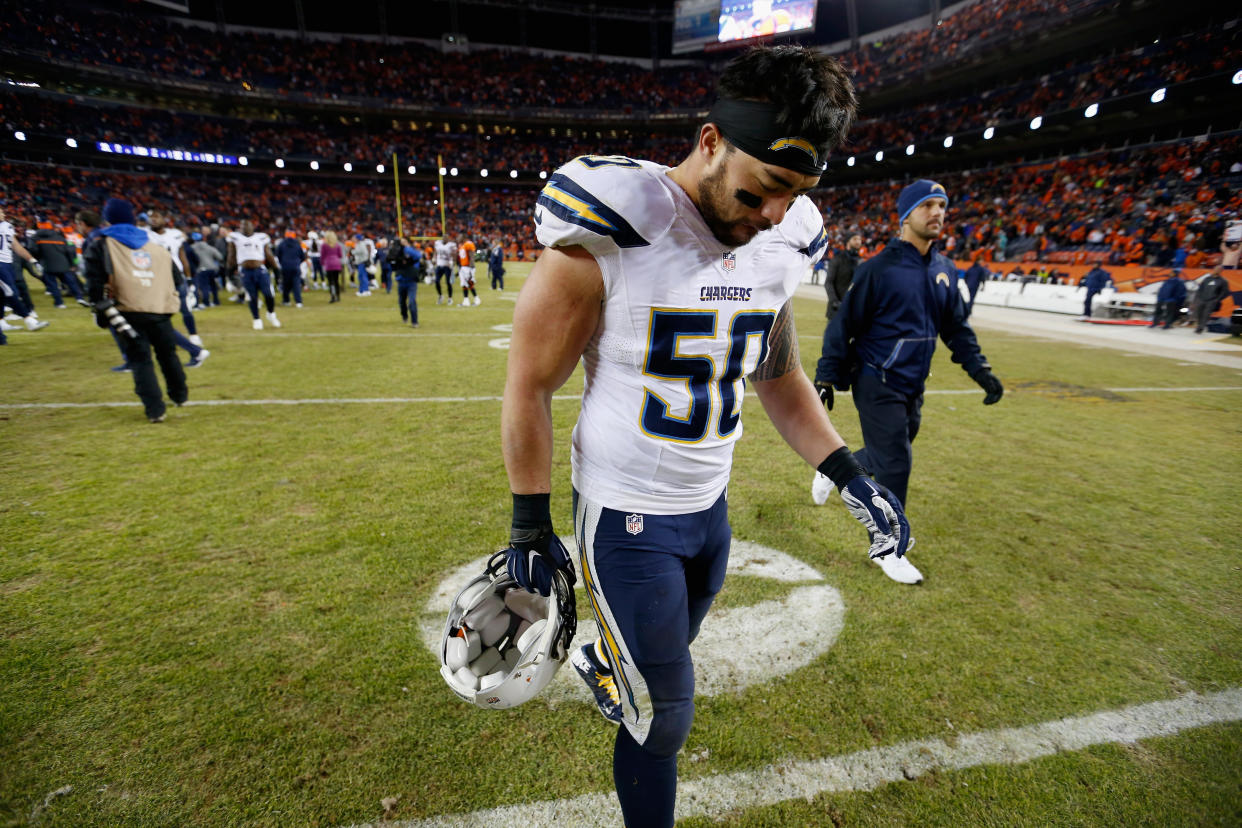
(973, 278)
(290, 255)
(1096, 280)
(880, 345)
(1169, 300)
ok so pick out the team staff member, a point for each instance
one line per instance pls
(496, 264)
(683, 292)
(57, 257)
(881, 343)
(1096, 280)
(841, 273)
(1169, 300)
(1212, 291)
(973, 279)
(253, 250)
(290, 254)
(406, 260)
(127, 268)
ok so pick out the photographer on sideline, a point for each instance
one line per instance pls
(129, 278)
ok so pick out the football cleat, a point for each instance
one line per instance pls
(821, 488)
(257, 324)
(271, 317)
(900, 569)
(198, 359)
(601, 683)
(33, 323)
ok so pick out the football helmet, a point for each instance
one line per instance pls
(502, 644)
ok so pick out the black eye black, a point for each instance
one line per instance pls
(748, 198)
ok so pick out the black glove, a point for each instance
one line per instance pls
(825, 393)
(535, 552)
(989, 383)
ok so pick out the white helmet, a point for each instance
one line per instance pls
(502, 644)
(312, 235)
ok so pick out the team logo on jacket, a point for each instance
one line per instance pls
(141, 259)
(730, 261)
(634, 524)
(942, 277)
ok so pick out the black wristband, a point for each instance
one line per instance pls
(531, 511)
(841, 467)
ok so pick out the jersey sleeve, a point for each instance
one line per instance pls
(803, 229)
(603, 203)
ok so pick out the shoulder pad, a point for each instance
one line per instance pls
(803, 229)
(596, 199)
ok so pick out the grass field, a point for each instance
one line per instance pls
(216, 620)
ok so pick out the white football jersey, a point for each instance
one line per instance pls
(6, 243)
(685, 319)
(446, 253)
(312, 247)
(250, 248)
(171, 240)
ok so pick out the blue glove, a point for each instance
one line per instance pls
(535, 553)
(880, 513)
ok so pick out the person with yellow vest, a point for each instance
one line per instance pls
(129, 278)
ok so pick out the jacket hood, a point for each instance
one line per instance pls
(129, 235)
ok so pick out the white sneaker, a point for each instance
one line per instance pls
(299, 304)
(258, 324)
(450, 301)
(5, 326)
(33, 323)
(196, 339)
(900, 569)
(478, 301)
(821, 488)
(271, 317)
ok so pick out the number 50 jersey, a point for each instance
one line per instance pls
(685, 319)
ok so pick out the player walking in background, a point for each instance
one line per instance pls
(251, 251)
(445, 251)
(312, 246)
(881, 341)
(9, 294)
(669, 304)
(465, 273)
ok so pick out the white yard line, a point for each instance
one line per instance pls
(484, 399)
(718, 795)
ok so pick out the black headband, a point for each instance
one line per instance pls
(751, 127)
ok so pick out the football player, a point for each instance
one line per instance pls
(252, 251)
(465, 273)
(446, 251)
(673, 287)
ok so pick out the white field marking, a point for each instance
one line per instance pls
(781, 635)
(558, 398)
(499, 344)
(716, 796)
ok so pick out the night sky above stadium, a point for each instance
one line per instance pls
(482, 22)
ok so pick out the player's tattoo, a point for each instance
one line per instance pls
(782, 349)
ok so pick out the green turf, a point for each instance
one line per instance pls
(212, 621)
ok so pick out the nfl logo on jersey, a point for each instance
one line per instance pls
(634, 524)
(730, 261)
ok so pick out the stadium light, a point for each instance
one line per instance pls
(1158, 95)
(1037, 122)
(453, 171)
(879, 156)
(243, 160)
(443, 171)
(379, 168)
(483, 173)
(1091, 111)
(543, 174)
(513, 173)
(909, 149)
(948, 141)
(280, 163)
(72, 143)
(410, 169)
(988, 133)
(349, 167)
(1237, 77)
(19, 135)
(850, 162)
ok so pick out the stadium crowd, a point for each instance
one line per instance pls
(405, 72)
(1161, 204)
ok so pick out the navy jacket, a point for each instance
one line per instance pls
(289, 253)
(1097, 279)
(899, 303)
(1172, 289)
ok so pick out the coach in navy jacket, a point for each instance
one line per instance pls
(881, 342)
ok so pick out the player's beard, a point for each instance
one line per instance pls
(712, 200)
(928, 231)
